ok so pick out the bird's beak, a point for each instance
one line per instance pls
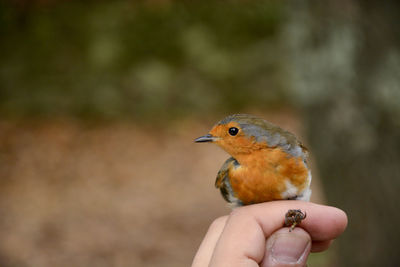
(205, 138)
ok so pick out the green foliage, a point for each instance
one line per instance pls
(128, 59)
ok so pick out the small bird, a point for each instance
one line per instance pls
(267, 163)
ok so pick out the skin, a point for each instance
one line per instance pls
(244, 237)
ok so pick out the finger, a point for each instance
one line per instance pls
(319, 246)
(242, 242)
(322, 222)
(286, 248)
(204, 253)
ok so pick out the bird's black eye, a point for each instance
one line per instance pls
(233, 131)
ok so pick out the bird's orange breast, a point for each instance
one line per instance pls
(264, 174)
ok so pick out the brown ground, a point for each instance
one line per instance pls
(115, 194)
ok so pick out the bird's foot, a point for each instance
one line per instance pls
(293, 218)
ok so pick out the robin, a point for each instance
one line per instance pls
(267, 163)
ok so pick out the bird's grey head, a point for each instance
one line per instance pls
(264, 131)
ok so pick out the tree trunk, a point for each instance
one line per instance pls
(345, 61)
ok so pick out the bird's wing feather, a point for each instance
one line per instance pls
(222, 182)
(223, 172)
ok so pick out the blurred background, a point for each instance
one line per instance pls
(100, 102)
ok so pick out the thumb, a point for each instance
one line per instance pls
(284, 248)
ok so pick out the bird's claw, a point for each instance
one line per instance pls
(293, 218)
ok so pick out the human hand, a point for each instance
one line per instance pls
(254, 235)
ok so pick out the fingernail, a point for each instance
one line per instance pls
(289, 247)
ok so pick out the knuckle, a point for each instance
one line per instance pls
(239, 212)
(218, 223)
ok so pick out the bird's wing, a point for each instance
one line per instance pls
(222, 182)
(223, 172)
